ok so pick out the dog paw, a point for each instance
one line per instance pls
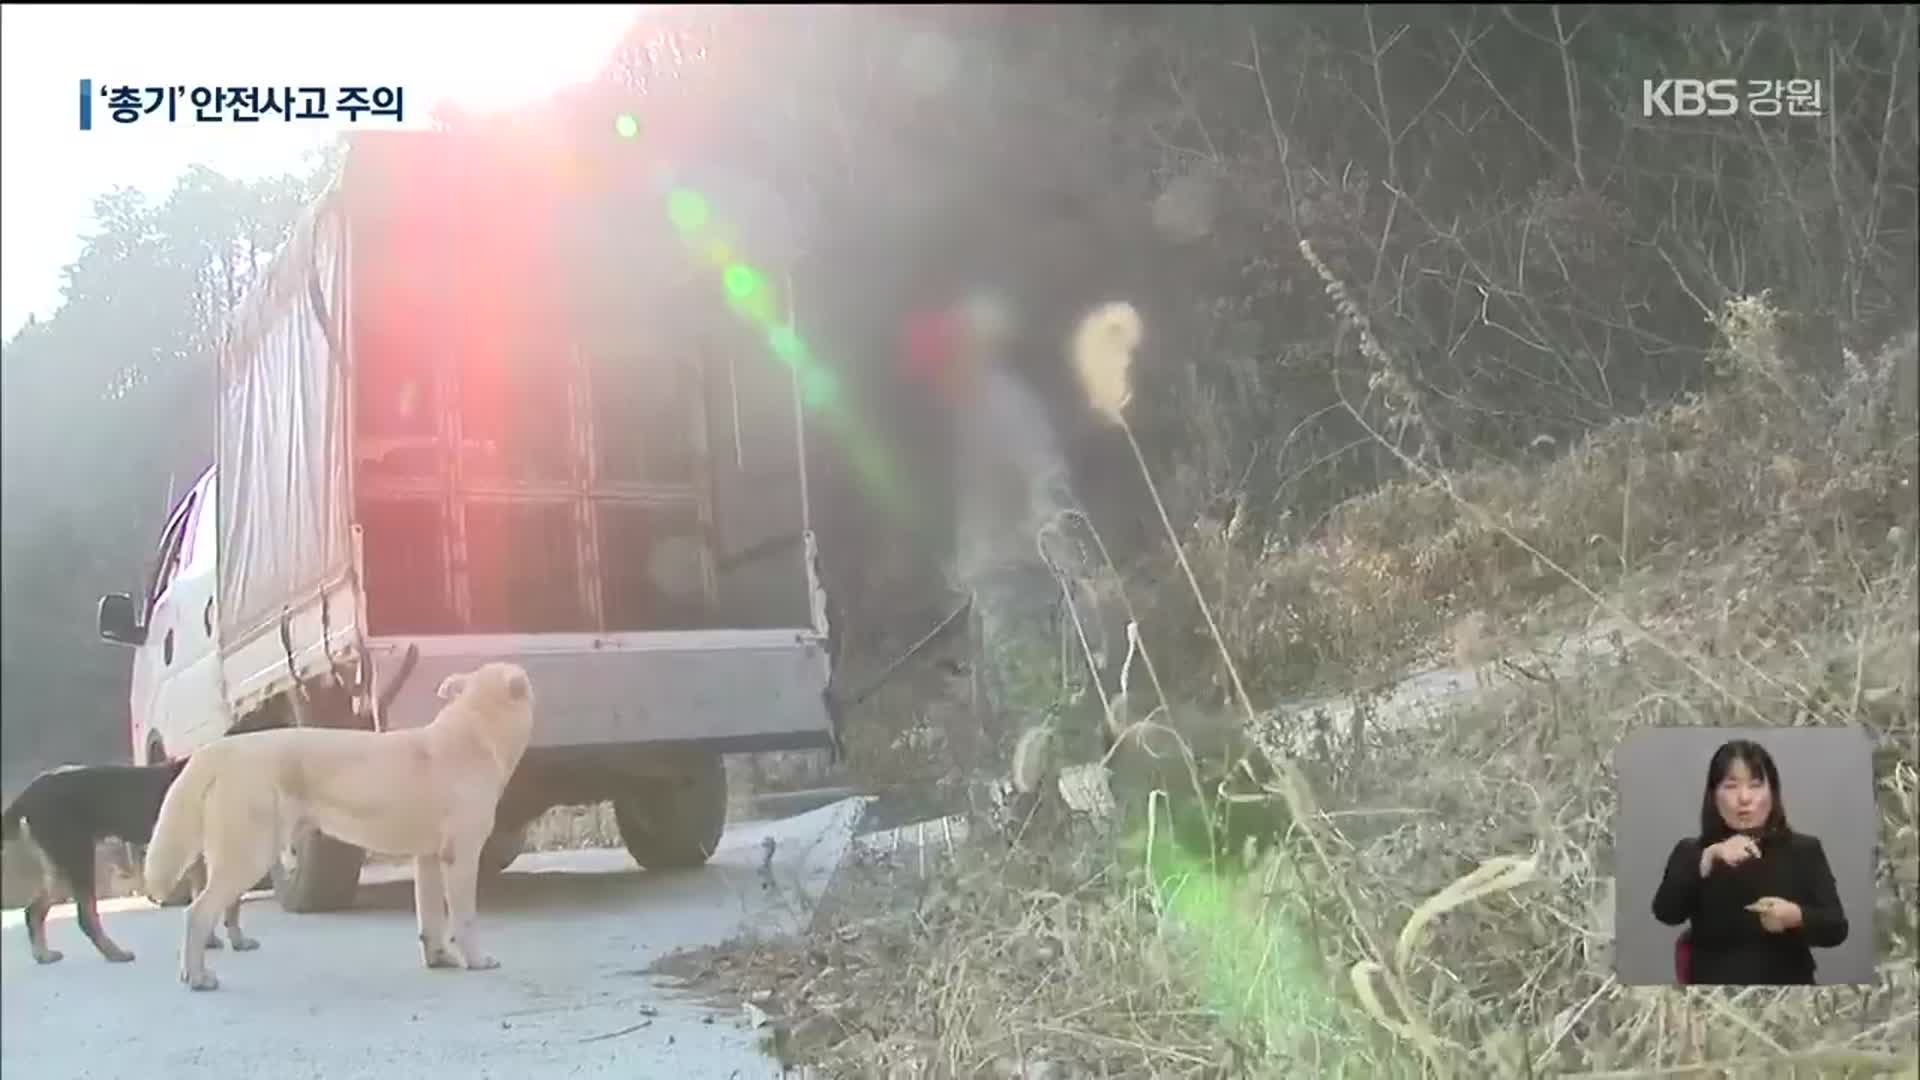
(483, 962)
(245, 944)
(202, 981)
(51, 956)
(119, 956)
(441, 957)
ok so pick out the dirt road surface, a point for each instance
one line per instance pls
(344, 996)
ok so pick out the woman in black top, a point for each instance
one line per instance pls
(1758, 896)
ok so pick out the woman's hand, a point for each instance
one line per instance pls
(1776, 915)
(1732, 851)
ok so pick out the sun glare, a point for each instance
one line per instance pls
(500, 58)
(477, 58)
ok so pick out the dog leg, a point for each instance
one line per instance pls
(462, 877)
(241, 942)
(193, 954)
(197, 874)
(89, 913)
(73, 860)
(42, 902)
(37, 930)
(430, 907)
(90, 924)
(228, 879)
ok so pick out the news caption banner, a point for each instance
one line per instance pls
(237, 104)
(1722, 97)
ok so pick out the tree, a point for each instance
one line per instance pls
(108, 415)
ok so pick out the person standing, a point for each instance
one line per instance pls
(1756, 896)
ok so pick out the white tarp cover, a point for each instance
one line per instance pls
(282, 461)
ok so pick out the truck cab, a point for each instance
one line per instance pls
(176, 700)
(478, 410)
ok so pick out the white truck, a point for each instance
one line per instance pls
(483, 407)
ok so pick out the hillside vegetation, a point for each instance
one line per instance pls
(1450, 909)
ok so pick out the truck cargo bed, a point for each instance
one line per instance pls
(531, 454)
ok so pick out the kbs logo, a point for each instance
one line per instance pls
(1720, 97)
(1689, 97)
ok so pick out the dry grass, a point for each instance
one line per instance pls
(1762, 541)
(999, 963)
(1828, 449)
(1524, 981)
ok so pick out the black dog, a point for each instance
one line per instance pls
(64, 814)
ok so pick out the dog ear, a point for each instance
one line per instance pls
(517, 688)
(451, 686)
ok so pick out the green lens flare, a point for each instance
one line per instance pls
(817, 388)
(626, 126)
(741, 282)
(748, 294)
(787, 346)
(687, 210)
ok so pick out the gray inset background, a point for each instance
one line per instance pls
(1826, 782)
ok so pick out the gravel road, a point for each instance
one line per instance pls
(342, 996)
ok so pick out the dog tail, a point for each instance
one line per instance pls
(178, 833)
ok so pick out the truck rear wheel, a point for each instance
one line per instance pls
(676, 823)
(317, 873)
(182, 893)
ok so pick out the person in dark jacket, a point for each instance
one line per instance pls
(1757, 896)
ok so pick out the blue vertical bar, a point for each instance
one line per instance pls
(86, 104)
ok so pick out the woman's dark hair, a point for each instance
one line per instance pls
(1713, 828)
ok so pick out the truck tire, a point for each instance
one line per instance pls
(182, 894)
(317, 873)
(676, 823)
(501, 848)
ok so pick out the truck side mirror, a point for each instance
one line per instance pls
(118, 623)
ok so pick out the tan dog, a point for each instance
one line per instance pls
(429, 793)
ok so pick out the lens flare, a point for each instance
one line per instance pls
(742, 281)
(817, 388)
(687, 210)
(787, 346)
(748, 294)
